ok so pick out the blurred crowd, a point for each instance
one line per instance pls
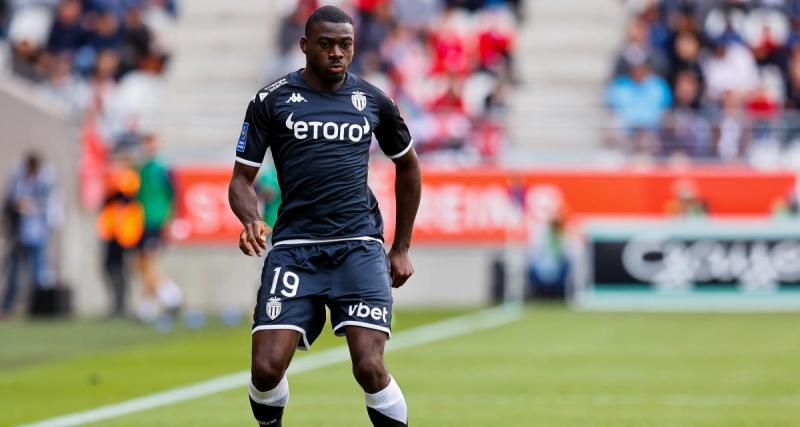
(103, 59)
(715, 80)
(448, 64)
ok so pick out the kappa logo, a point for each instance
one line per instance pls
(329, 130)
(296, 97)
(274, 307)
(359, 100)
(363, 311)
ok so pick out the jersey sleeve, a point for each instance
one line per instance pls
(254, 136)
(392, 133)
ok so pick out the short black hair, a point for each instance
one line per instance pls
(328, 14)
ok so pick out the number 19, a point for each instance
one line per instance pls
(290, 281)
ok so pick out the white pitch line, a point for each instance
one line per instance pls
(433, 332)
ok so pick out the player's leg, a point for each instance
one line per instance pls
(289, 314)
(386, 404)
(269, 389)
(362, 311)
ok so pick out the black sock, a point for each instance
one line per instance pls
(270, 416)
(380, 420)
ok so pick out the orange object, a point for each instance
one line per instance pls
(122, 218)
(123, 222)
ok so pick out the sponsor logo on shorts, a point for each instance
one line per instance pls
(364, 311)
(274, 307)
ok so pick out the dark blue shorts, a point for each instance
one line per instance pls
(152, 239)
(351, 278)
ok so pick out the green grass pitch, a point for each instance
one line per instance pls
(552, 368)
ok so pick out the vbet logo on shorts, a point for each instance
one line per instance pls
(331, 131)
(364, 311)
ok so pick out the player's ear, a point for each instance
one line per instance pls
(304, 44)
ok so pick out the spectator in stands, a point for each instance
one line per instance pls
(659, 35)
(292, 27)
(684, 131)
(636, 47)
(374, 24)
(496, 41)
(102, 85)
(730, 68)
(106, 32)
(28, 214)
(686, 54)
(136, 40)
(450, 44)
(731, 129)
(63, 84)
(638, 101)
(28, 60)
(67, 33)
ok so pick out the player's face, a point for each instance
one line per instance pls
(329, 50)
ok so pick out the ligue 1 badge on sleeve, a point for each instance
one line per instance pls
(274, 307)
(359, 100)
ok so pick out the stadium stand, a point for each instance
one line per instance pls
(564, 52)
(104, 60)
(708, 81)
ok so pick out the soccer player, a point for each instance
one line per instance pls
(328, 243)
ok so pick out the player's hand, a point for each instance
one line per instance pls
(401, 268)
(253, 238)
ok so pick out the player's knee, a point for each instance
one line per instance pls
(266, 375)
(370, 373)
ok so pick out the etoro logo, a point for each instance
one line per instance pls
(364, 311)
(330, 131)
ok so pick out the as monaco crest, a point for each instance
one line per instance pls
(274, 307)
(359, 100)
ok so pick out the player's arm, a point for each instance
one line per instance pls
(250, 151)
(407, 192)
(395, 141)
(244, 203)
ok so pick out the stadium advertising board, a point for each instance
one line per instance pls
(492, 206)
(657, 263)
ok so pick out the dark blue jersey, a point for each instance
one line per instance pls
(320, 145)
